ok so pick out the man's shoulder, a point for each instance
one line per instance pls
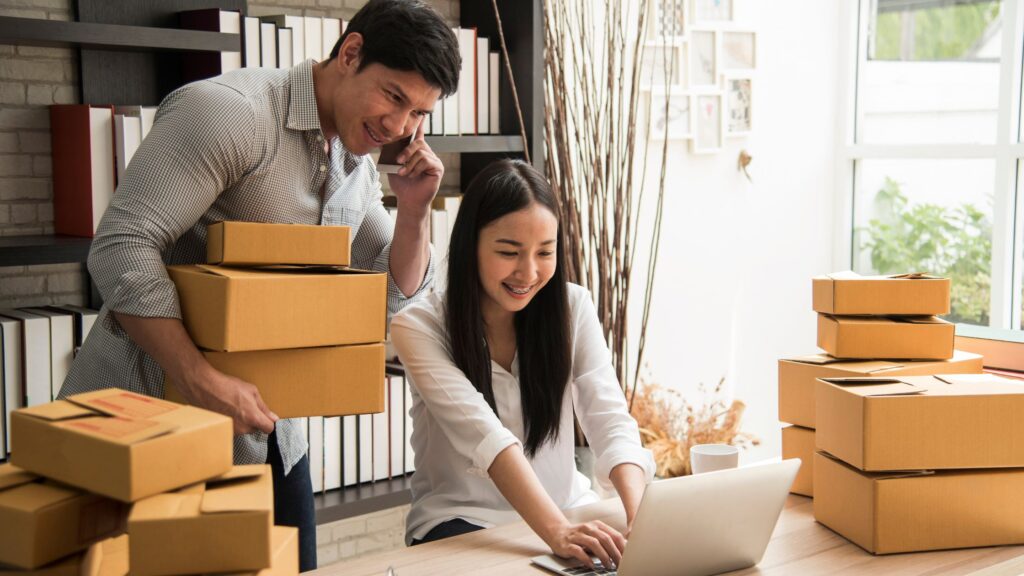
(238, 87)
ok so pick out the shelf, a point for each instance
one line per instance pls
(61, 34)
(53, 249)
(490, 143)
(362, 499)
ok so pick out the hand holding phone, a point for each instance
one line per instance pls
(387, 162)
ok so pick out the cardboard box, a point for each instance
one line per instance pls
(104, 558)
(41, 522)
(259, 244)
(222, 525)
(922, 422)
(234, 310)
(121, 444)
(797, 377)
(329, 381)
(285, 541)
(916, 337)
(798, 442)
(849, 293)
(887, 512)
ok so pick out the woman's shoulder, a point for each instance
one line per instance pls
(578, 297)
(426, 313)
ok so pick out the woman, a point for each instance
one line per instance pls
(499, 363)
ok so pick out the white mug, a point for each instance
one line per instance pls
(711, 457)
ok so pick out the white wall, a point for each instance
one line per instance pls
(732, 290)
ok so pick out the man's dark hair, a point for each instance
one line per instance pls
(407, 35)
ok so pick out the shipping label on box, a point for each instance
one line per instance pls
(922, 422)
(797, 377)
(798, 442)
(222, 525)
(260, 244)
(917, 337)
(120, 444)
(889, 512)
(234, 310)
(41, 521)
(850, 293)
(300, 382)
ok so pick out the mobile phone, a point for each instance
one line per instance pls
(387, 162)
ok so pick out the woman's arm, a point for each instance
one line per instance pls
(630, 482)
(517, 482)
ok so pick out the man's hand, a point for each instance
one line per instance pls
(418, 180)
(232, 397)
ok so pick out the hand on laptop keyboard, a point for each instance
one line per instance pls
(581, 541)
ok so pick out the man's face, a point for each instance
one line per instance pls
(377, 104)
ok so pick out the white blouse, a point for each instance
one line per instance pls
(456, 435)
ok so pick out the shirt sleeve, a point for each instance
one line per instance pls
(600, 404)
(200, 144)
(472, 428)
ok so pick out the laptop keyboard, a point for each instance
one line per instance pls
(584, 571)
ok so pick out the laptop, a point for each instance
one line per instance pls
(699, 525)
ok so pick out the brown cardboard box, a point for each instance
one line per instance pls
(922, 422)
(798, 442)
(285, 542)
(222, 525)
(849, 293)
(259, 244)
(887, 512)
(121, 444)
(104, 558)
(43, 521)
(918, 337)
(234, 310)
(797, 376)
(328, 381)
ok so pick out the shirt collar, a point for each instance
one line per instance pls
(302, 111)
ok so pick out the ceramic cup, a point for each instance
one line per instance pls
(711, 457)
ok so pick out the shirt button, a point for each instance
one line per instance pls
(323, 168)
(319, 138)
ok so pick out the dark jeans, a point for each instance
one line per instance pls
(293, 502)
(455, 527)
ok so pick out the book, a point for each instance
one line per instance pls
(381, 444)
(62, 345)
(410, 455)
(483, 82)
(494, 69)
(365, 448)
(84, 320)
(35, 354)
(332, 453)
(284, 48)
(145, 114)
(82, 142)
(314, 37)
(439, 238)
(350, 451)
(251, 48)
(437, 119)
(11, 362)
(396, 421)
(316, 452)
(329, 36)
(297, 24)
(467, 81)
(200, 65)
(450, 116)
(268, 45)
(127, 137)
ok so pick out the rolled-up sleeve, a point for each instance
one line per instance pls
(469, 424)
(200, 144)
(601, 406)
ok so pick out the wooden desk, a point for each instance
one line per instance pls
(799, 546)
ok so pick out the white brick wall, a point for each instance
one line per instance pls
(347, 539)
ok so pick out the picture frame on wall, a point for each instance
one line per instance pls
(667, 20)
(664, 65)
(675, 123)
(703, 58)
(712, 10)
(738, 94)
(738, 50)
(708, 116)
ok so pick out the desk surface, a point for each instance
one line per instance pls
(798, 546)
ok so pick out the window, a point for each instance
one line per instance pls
(931, 152)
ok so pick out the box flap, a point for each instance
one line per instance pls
(978, 379)
(865, 366)
(876, 386)
(124, 404)
(119, 430)
(851, 275)
(887, 475)
(915, 276)
(237, 472)
(11, 476)
(36, 496)
(918, 319)
(56, 411)
(107, 558)
(278, 270)
(165, 506)
(237, 491)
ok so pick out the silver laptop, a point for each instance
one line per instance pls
(699, 525)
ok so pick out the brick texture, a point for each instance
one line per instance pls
(353, 537)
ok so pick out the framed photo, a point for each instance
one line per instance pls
(703, 58)
(675, 123)
(739, 50)
(708, 117)
(666, 20)
(664, 65)
(737, 106)
(712, 10)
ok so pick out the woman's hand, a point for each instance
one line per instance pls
(581, 541)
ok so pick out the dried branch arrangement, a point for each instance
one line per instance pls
(669, 425)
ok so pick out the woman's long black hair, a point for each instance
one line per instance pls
(542, 327)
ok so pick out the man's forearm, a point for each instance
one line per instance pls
(410, 248)
(166, 340)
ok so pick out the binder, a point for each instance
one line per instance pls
(82, 142)
(467, 81)
(200, 65)
(297, 24)
(35, 346)
(396, 420)
(332, 453)
(268, 45)
(350, 450)
(251, 42)
(11, 362)
(483, 82)
(381, 445)
(62, 345)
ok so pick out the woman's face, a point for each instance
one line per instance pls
(517, 257)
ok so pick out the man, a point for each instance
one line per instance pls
(269, 146)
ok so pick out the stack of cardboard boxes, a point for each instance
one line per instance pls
(86, 469)
(278, 307)
(870, 326)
